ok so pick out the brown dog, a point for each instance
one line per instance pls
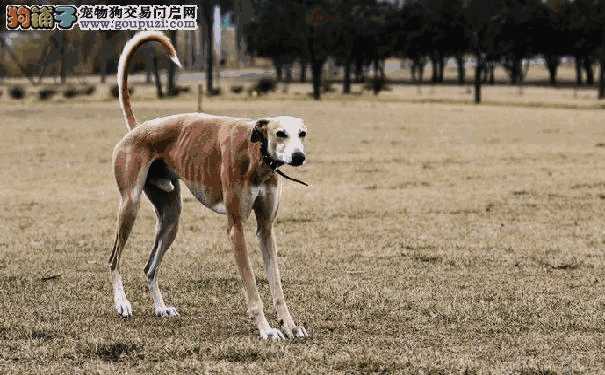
(228, 164)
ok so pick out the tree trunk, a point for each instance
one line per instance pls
(189, 37)
(200, 58)
(516, 76)
(289, 73)
(602, 78)
(316, 68)
(441, 69)
(460, 62)
(376, 70)
(62, 62)
(435, 69)
(279, 73)
(514, 68)
(492, 75)
(156, 75)
(303, 72)
(552, 72)
(420, 70)
(552, 64)
(209, 54)
(478, 69)
(578, 65)
(346, 80)
(377, 77)
(104, 59)
(237, 12)
(589, 70)
(525, 70)
(359, 76)
(3, 72)
(103, 69)
(172, 68)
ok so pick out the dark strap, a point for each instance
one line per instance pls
(290, 178)
(272, 163)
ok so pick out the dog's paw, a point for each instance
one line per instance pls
(166, 312)
(271, 334)
(124, 308)
(299, 332)
(295, 332)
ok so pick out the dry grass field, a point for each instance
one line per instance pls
(436, 238)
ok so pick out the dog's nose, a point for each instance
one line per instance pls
(298, 158)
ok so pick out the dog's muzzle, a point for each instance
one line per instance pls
(298, 158)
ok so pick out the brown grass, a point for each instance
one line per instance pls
(436, 238)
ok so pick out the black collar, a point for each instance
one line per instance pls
(269, 161)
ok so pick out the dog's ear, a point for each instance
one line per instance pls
(259, 131)
(262, 123)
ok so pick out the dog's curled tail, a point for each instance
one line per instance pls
(131, 46)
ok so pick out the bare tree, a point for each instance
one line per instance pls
(172, 68)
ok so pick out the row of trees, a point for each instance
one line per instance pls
(359, 34)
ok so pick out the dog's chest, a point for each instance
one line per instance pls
(209, 198)
(256, 191)
(214, 200)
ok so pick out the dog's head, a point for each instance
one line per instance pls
(285, 137)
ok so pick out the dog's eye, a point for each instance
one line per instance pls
(302, 134)
(281, 134)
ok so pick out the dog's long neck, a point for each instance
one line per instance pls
(266, 157)
(261, 169)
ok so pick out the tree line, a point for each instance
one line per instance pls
(359, 35)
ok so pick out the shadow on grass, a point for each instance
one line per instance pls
(41, 335)
(247, 355)
(114, 352)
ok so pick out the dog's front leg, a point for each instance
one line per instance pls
(265, 209)
(268, 249)
(255, 304)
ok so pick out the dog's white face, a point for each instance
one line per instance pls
(286, 136)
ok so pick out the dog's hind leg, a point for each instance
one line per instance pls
(168, 209)
(161, 176)
(131, 171)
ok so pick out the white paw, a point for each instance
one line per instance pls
(124, 308)
(300, 332)
(295, 332)
(271, 334)
(166, 312)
